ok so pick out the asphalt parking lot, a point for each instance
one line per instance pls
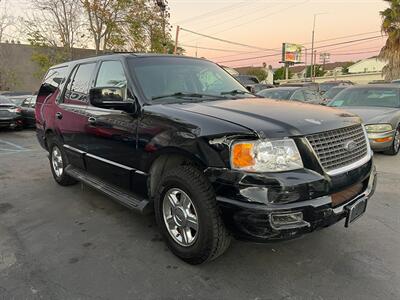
(74, 243)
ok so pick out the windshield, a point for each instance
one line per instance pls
(176, 80)
(4, 100)
(333, 92)
(379, 97)
(323, 87)
(277, 94)
(246, 80)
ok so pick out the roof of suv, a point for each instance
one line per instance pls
(120, 55)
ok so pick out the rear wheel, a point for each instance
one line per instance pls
(188, 216)
(395, 148)
(58, 163)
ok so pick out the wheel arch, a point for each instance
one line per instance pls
(168, 159)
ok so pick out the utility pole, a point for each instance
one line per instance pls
(312, 49)
(312, 45)
(313, 70)
(176, 39)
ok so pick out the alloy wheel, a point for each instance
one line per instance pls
(180, 217)
(57, 161)
(396, 142)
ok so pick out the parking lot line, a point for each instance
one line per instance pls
(8, 147)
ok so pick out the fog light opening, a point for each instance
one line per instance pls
(288, 220)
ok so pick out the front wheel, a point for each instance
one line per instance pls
(188, 216)
(395, 148)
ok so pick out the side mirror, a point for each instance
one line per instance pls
(111, 98)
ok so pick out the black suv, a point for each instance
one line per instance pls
(179, 136)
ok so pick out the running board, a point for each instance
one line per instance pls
(119, 195)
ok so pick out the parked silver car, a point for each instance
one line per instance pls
(379, 107)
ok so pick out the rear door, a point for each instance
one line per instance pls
(71, 116)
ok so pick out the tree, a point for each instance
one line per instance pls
(280, 74)
(319, 71)
(391, 51)
(261, 74)
(56, 23)
(106, 19)
(5, 20)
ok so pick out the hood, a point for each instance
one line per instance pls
(371, 115)
(274, 119)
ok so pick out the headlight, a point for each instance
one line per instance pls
(376, 128)
(266, 156)
(14, 110)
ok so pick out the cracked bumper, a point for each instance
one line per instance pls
(248, 212)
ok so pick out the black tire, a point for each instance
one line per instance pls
(62, 179)
(395, 148)
(213, 239)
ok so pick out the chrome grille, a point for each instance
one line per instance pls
(4, 113)
(330, 146)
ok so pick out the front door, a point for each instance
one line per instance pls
(112, 133)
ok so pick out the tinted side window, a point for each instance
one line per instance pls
(25, 103)
(111, 73)
(310, 96)
(52, 80)
(298, 95)
(78, 87)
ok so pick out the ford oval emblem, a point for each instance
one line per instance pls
(350, 146)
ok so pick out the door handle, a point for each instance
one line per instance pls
(59, 115)
(92, 120)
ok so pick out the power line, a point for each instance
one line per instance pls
(253, 20)
(264, 56)
(214, 49)
(201, 17)
(226, 41)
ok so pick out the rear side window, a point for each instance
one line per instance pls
(298, 95)
(52, 80)
(78, 86)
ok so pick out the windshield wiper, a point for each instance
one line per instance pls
(189, 95)
(236, 92)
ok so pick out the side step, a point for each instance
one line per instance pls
(133, 202)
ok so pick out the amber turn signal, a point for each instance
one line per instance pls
(384, 140)
(242, 155)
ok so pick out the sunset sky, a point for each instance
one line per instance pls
(268, 23)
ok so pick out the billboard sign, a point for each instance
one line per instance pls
(291, 53)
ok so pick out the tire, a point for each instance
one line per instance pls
(395, 148)
(58, 173)
(211, 239)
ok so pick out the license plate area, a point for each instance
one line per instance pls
(355, 211)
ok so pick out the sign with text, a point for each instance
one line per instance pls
(291, 53)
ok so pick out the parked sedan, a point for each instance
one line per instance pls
(10, 114)
(332, 92)
(379, 107)
(17, 100)
(28, 111)
(292, 93)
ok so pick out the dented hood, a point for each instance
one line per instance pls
(272, 118)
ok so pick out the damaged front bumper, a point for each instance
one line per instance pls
(286, 205)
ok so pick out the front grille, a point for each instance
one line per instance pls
(330, 146)
(4, 113)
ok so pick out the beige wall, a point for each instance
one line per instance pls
(17, 58)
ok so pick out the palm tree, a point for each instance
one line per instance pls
(391, 51)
